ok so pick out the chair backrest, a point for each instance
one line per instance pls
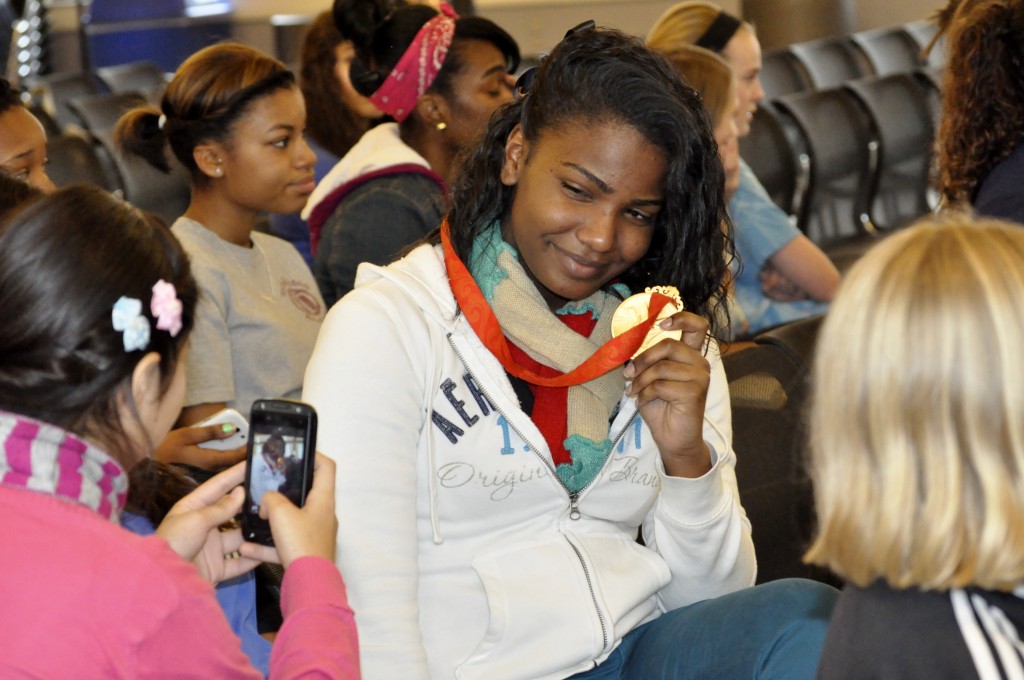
(889, 50)
(922, 33)
(74, 160)
(100, 112)
(899, 105)
(774, 160)
(842, 145)
(143, 77)
(56, 90)
(165, 194)
(768, 393)
(781, 73)
(830, 62)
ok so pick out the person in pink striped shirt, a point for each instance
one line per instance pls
(98, 302)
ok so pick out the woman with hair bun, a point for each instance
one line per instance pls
(981, 137)
(439, 77)
(499, 451)
(235, 119)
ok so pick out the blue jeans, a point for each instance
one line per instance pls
(769, 632)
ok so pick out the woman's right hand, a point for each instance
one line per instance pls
(311, 529)
(182, 446)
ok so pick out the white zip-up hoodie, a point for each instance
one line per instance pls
(464, 555)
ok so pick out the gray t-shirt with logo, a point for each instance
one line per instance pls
(258, 316)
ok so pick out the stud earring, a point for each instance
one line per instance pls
(218, 172)
(441, 125)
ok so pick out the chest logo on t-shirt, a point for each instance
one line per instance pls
(303, 298)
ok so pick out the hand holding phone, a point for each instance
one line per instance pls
(282, 441)
(310, 530)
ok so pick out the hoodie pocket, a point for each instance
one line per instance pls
(544, 615)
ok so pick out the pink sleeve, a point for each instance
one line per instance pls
(318, 638)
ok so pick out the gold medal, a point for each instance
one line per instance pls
(633, 311)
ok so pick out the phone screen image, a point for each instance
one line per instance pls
(280, 459)
(276, 453)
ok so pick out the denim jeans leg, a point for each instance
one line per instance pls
(774, 631)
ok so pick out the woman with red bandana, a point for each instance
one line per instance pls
(439, 77)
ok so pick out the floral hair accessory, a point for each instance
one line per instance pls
(166, 307)
(127, 318)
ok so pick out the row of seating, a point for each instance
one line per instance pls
(829, 62)
(81, 110)
(849, 159)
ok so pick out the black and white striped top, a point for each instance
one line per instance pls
(882, 633)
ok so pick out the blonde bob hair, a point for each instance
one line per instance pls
(917, 423)
(684, 24)
(710, 75)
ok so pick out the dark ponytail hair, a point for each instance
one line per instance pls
(604, 75)
(65, 260)
(210, 91)
(381, 31)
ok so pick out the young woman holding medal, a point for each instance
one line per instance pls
(439, 77)
(99, 303)
(497, 451)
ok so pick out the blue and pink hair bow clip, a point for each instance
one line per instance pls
(127, 317)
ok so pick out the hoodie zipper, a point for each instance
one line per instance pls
(574, 496)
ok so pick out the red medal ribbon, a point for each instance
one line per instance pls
(470, 299)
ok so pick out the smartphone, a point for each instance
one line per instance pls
(226, 415)
(282, 443)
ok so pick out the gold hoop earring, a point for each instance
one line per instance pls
(441, 126)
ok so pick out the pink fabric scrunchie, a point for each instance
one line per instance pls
(419, 65)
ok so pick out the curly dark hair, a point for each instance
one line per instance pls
(983, 94)
(601, 75)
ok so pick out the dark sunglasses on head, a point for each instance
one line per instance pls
(525, 80)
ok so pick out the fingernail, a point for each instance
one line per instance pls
(665, 323)
(227, 428)
(629, 371)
